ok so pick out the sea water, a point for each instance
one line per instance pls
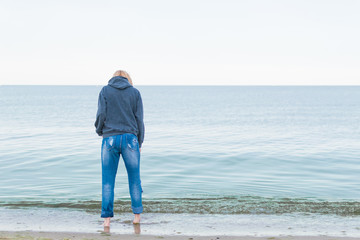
(268, 159)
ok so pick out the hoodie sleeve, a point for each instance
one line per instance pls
(139, 115)
(101, 114)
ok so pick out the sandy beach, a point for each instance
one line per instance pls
(107, 236)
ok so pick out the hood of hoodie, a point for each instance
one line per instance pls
(119, 82)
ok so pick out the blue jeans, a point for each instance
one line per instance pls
(126, 145)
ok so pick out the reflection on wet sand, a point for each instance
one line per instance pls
(137, 229)
(107, 229)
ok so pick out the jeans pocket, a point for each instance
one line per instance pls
(132, 142)
(109, 143)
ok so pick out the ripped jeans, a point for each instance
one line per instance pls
(127, 146)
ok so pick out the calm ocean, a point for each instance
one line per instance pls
(216, 153)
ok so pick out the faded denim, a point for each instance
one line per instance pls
(127, 146)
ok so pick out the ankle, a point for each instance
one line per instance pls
(136, 218)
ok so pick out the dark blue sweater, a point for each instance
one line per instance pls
(120, 110)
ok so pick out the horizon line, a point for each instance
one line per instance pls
(195, 85)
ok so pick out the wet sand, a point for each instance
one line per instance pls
(21, 235)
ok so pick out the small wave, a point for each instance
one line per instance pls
(222, 205)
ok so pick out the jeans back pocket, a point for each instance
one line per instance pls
(109, 143)
(132, 142)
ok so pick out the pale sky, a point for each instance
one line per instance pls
(182, 42)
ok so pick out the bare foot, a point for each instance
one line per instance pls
(136, 219)
(106, 222)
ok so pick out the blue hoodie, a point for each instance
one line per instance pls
(120, 110)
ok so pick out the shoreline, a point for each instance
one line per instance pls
(32, 235)
(179, 225)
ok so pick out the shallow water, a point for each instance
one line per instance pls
(207, 150)
(65, 220)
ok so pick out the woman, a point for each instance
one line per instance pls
(119, 120)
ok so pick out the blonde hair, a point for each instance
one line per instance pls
(123, 73)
